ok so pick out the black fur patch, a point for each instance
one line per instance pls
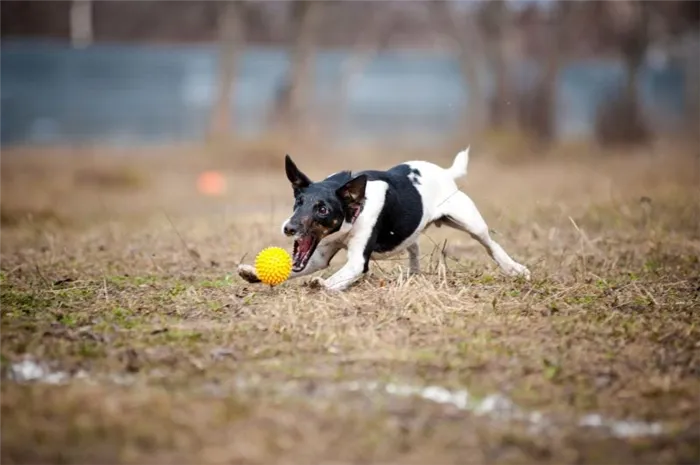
(402, 212)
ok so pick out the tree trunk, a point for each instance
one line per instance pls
(501, 113)
(634, 47)
(370, 40)
(467, 45)
(81, 21)
(541, 115)
(691, 73)
(229, 44)
(632, 81)
(634, 44)
(294, 96)
(496, 26)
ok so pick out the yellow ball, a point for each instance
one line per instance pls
(273, 265)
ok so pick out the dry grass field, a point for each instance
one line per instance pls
(127, 337)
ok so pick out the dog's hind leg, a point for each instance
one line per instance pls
(413, 258)
(459, 212)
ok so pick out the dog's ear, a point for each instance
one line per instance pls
(298, 179)
(352, 193)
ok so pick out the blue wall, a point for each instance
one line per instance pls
(123, 94)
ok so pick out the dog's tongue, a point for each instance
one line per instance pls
(305, 244)
(303, 247)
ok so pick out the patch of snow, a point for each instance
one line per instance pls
(501, 408)
(622, 429)
(495, 406)
(28, 370)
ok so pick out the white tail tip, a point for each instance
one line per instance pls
(459, 166)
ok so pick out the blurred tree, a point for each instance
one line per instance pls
(550, 37)
(40, 18)
(686, 26)
(621, 119)
(462, 30)
(291, 106)
(372, 36)
(81, 23)
(230, 19)
(496, 26)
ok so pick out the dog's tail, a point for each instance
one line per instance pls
(459, 166)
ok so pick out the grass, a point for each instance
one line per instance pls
(186, 363)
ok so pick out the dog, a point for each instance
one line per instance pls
(378, 214)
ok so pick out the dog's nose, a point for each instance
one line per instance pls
(290, 230)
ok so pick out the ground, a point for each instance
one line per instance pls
(119, 287)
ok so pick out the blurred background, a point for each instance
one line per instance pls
(404, 73)
(142, 161)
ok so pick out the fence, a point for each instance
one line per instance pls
(126, 94)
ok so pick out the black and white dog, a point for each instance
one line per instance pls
(376, 214)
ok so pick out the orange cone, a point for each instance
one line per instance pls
(211, 183)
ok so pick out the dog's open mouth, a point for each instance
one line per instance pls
(304, 247)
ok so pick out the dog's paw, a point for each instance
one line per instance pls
(247, 272)
(317, 283)
(322, 284)
(519, 271)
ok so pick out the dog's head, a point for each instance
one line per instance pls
(320, 209)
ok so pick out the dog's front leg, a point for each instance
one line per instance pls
(344, 277)
(361, 242)
(322, 256)
(358, 262)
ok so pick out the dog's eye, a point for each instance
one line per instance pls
(322, 210)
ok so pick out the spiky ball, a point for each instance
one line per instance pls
(273, 265)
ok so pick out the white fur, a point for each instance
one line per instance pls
(459, 166)
(436, 186)
(440, 197)
(358, 237)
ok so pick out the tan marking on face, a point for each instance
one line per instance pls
(321, 231)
